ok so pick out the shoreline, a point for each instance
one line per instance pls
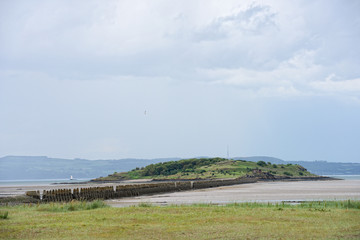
(18, 190)
(266, 191)
(331, 190)
(277, 178)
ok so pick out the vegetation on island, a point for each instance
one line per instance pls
(208, 168)
(308, 220)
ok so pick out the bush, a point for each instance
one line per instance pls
(261, 163)
(274, 166)
(145, 204)
(174, 167)
(288, 174)
(4, 215)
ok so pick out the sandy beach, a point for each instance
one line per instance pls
(260, 192)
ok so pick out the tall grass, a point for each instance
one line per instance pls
(4, 215)
(144, 204)
(71, 206)
(347, 204)
(316, 205)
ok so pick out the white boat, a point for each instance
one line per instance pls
(71, 177)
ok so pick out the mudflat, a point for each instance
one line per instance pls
(260, 192)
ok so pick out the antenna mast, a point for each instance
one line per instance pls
(227, 151)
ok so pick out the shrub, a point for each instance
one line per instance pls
(274, 166)
(261, 163)
(144, 204)
(173, 167)
(288, 174)
(4, 215)
(71, 206)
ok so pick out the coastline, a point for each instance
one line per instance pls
(286, 190)
(21, 189)
(266, 191)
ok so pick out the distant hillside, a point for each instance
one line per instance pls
(330, 168)
(316, 167)
(40, 167)
(209, 168)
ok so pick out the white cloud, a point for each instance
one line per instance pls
(88, 69)
(254, 45)
(255, 19)
(349, 86)
(298, 76)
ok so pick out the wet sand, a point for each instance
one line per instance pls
(259, 192)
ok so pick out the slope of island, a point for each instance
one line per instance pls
(211, 168)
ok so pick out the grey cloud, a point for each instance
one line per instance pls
(254, 20)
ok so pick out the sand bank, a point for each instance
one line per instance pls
(261, 191)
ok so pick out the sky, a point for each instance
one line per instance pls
(152, 79)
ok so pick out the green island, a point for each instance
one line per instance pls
(209, 168)
(95, 220)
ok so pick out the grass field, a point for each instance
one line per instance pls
(313, 220)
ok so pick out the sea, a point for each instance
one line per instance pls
(48, 182)
(40, 182)
(345, 177)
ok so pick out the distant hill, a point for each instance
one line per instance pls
(41, 167)
(330, 168)
(316, 167)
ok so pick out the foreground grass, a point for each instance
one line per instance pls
(316, 220)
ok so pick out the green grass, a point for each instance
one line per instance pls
(310, 220)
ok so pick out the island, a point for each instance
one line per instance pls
(211, 168)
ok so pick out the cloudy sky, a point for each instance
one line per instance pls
(148, 79)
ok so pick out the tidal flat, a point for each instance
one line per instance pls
(279, 191)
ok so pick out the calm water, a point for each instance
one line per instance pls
(47, 182)
(347, 177)
(40, 182)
